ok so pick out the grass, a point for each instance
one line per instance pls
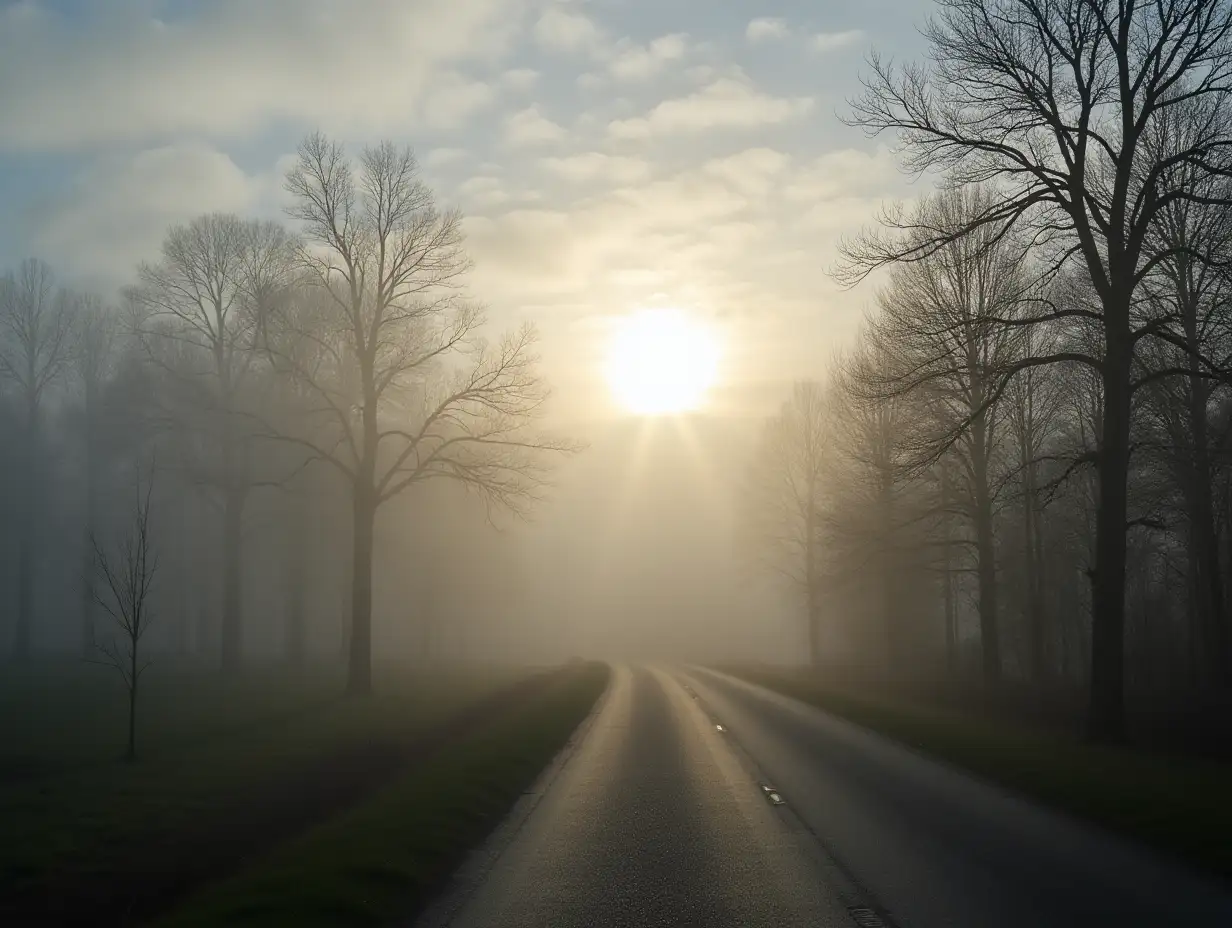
(247, 763)
(385, 858)
(1180, 805)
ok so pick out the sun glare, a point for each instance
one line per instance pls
(661, 361)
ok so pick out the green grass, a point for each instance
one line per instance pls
(1181, 805)
(216, 754)
(384, 859)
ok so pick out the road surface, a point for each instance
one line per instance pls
(661, 813)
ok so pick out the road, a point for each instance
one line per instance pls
(659, 814)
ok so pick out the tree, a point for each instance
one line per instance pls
(198, 313)
(36, 322)
(937, 337)
(127, 576)
(95, 365)
(1056, 103)
(381, 339)
(784, 498)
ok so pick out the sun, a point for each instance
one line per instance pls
(661, 361)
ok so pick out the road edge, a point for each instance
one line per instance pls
(480, 861)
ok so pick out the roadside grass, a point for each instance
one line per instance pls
(385, 859)
(253, 762)
(1180, 805)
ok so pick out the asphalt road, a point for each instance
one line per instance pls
(657, 816)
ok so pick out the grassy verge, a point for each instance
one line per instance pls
(385, 858)
(92, 841)
(1180, 805)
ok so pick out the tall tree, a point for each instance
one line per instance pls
(36, 345)
(1055, 103)
(387, 346)
(938, 336)
(95, 365)
(784, 500)
(198, 316)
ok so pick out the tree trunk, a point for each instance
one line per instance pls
(990, 638)
(1106, 719)
(1035, 617)
(87, 559)
(296, 575)
(232, 545)
(359, 680)
(25, 540)
(132, 706)
(1204, 542)
(951, 617)
(812, 582)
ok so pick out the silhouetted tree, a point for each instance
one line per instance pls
(784, 502)
(127, 575)
(1057, 104)
(36, 324)
(384, 343)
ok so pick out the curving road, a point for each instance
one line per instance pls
(656, 816)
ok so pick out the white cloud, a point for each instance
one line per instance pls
(565, 30)
(232, 66)
(438, 157)
(751, 172)
(828, 41)
(597, 166)
(454, 100)
(766, 28)
(530, 127)
(641, 62)
(520, 79)
(117, 212)
(725, 103)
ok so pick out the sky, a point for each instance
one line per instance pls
(608, 155)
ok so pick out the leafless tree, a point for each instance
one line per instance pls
(95, 359)
(36, 347)
(784, 499)
(938, 338)
(197, 312)
(1056, 103)
(127, 575)
(384, 342)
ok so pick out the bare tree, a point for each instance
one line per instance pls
(198, 312)
(36, 322)
(95, 365)
(383, 342)
(127, 576)
(1056, 103)
(784, 498)
(938, 337)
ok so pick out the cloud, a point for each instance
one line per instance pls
(117, 212)
(726, 103)
(454, 100)
(438, 157)
(641, 62)
(530, 127)
(597, 166)
(231, 66)
(562, 30)
(751, 172)
(828, 41)
(766, 28)
(520, 79)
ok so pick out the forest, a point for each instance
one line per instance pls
(1020, 475)
(235, 422)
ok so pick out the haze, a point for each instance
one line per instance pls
(710, 463)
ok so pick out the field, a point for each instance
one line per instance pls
(231, 773)
(1179, 804)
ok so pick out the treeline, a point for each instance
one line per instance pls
(270, 390)
(1022, 470)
